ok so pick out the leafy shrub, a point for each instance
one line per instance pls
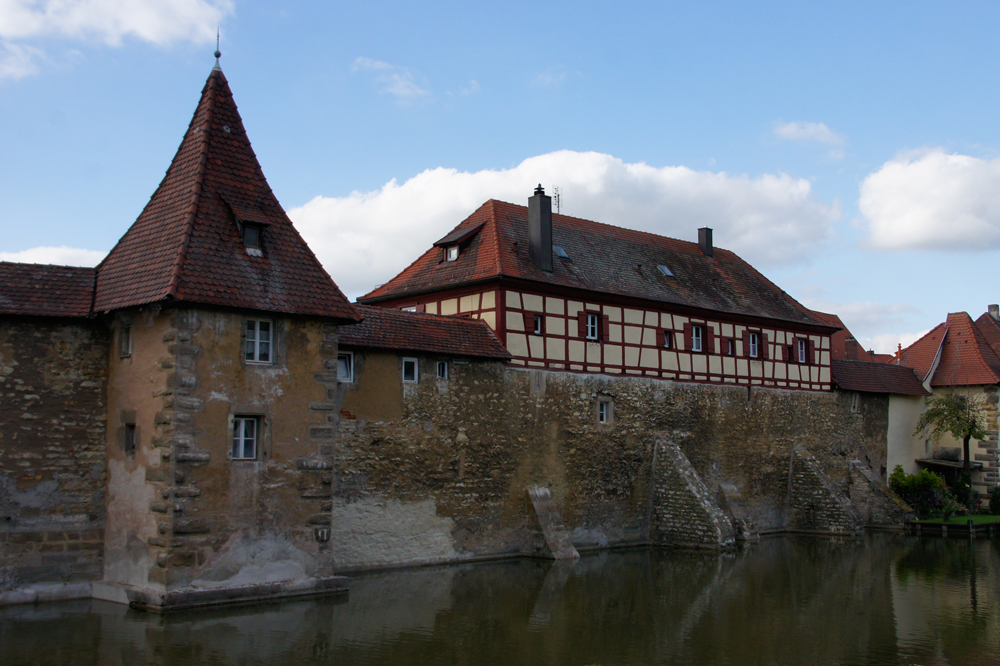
(925, 492)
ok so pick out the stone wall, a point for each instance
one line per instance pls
(875, 500)
(52, 471)
(444, 480)
(814, 503)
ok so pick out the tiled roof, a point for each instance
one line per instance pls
(838, 341)
(186, 245)
(383, 328)
(40, 289)
(967, 359)
(876, 377)
(603, 259)
(990, 328)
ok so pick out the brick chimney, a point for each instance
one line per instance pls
(540, 229)
(851, 349)
(705, 241)
(994, 311)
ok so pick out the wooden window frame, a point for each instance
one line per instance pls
(238, 450)
(252, 346)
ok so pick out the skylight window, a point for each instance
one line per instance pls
(561, 252)
(666, 271)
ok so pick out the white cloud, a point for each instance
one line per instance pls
(366, 238)
(393, 80)
(550, 78)
(473, 88)
(887, 343)
(17, 61)
(867, 320)
(160, 22)
(932, 200)
(806, 131)
(157, 21)
(59, 256)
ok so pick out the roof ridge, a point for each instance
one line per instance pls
(175, 273)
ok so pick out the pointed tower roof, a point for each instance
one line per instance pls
(187, 243)
(966, 356)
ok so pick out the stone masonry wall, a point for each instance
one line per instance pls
(683, 511)
(437, 470)
(874, 499)
(814, 504)
(52, 472)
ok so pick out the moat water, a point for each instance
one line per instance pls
(881, 599)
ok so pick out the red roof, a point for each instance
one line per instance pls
(383, 328)
(838, 341)
(966, 356)
(876, 377)
(603, 259)
(40, 289)
(186, 245)
(990, 328)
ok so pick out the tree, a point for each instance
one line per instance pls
(960, 415)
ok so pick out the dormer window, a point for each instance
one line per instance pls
(252, 237)
(451, 253)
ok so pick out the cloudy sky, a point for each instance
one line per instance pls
(849, 152)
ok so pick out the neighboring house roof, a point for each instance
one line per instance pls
(967, 359)
(383, 328)
(41, 289)
(186, 246)
(883, 358)
(839, 340)
(990, 328)
(603, 259)
(875, 377)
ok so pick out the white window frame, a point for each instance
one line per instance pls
(803, 350)
(409, 308)
(605, 412)
(696, 337)
(244, 436)
(348, 377)
(442, 369)
(125, 340)
(252, 348)
(539, 324)
(754, 345)
(593, 325)
(416, 370)
(451, 253)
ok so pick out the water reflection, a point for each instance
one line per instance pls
(884, 599)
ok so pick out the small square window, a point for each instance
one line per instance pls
(246, 431)
(451, 254)
(410, 371)
(593, 325)
(258, 341)
(668, 339)
(345, 367)
(125, 341)
(539, 325)
(442, 369)
(605, 411)
(129, 443)
(696, 337)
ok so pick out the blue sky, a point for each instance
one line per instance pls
(850, 152)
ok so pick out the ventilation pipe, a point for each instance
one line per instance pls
(540, 229)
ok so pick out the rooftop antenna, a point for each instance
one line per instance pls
(557, 198)
(218, 53)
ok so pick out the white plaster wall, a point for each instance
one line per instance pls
(902, 447)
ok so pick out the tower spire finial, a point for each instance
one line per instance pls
(218, 53)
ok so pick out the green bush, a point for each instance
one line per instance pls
(925, 492)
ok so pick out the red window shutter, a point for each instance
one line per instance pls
(605, 327)
(529, 322)
(581, 320)
(687, 337)
(660, 337)
(708, 344)
(811, 356)
(764, 349)
(421, 308)
(746, 343)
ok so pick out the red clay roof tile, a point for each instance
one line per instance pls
(41, 289)
(603, 259)
(186, 245)
(383, 328)
(967, 359)
(876, 378)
